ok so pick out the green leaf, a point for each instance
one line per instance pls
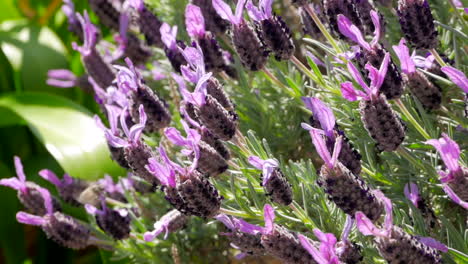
(67, 131)
(32, 51)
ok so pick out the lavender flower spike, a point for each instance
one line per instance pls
(61, 228)
(244, 236)
(168, 37)
(69, 188)
(394, 244)
(272, 30)
(273, 180)
(114, 222)
(169, 223)
(68, 8)
(457, 77)
(424, 90)
(251, 50)
(455, 180)
(28, 192)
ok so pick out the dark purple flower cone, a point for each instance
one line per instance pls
(349, 253)
(155, 108)
(349, 192)
(402, 247)
(174, 198)
(392, 86)
(275, 34)
(118, 155)
(284, 245)
(66, 231)
(215, 143)
(427, 93)
(136, 50)
(247, 243)
(114, 224)
(216, 90)
(190, 110)
(253, 54)
(70, 192)
(278, 188)
(349, 156)
(213, 22)
(107, 12)
(430, 219)
(200, 196)
(33, 201)
(149, 25)
(137, 158)
(102, 73)
(210, 162)
(382, 123)
(218, 120)
(459, 184)
(347, 8)
(175, 57)
(212, 54)
(417, 23)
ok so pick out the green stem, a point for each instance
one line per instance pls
(369, 172)
(412, 119)
(322, 28)
(273, 78)
(303, 68)
(437, 57)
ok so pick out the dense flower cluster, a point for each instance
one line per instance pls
(188, 165)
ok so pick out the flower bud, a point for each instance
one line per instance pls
(253, 54)
(427, 93)
(417, 23)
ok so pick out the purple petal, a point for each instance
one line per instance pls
(113, 113)
(267, 172)
(402, 51)
(161, 172)
(91, 209)
(224, 11)
(137, 4)
(266, 6)
(194, 21)
(433, 243)
(327, 238)
(457, 77)
(47, 199)
(175, 137)
(19, 169)
(168, 36)
(366, 227)
(269, 216)
(336, 150)
(388, 222)
(455, 198)
(50, 177)
(314, 252)
(115, 141)
(347, 228)
(63, 74)
(241, 255)
(226, 220)
(322, 113)
(248, 228)
(357, 76)
(411, 192)
(377, 30)
(188, 74)
(348, 92)
(377, 77)
(448, 150)
(321, 147)
(352, 32)
(30, 219)
(254, 12)
(239, 9)
(14, 183)
(256, 161)
(169, 162)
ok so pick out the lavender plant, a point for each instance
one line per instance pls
(242, 146)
